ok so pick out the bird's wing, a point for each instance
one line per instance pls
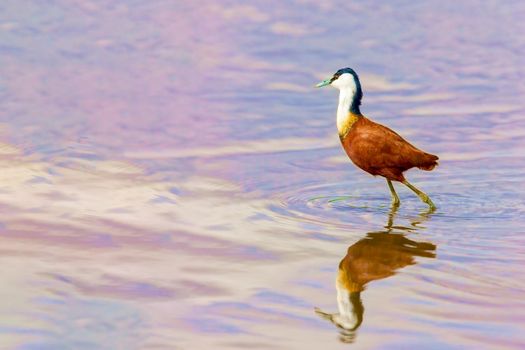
(384, 148)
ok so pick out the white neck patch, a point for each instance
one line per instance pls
(347, 89)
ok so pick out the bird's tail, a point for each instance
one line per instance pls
(428, 162)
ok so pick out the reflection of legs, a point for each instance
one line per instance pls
(422, 195)
(391, 216)
(395, 198)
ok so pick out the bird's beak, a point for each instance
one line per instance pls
(323, 83)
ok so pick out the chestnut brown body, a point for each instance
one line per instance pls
(379, 150)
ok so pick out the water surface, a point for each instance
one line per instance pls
(171, 180)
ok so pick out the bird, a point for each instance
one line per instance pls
(371, 146)
(379, 255)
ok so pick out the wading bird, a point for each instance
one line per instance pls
(373, 147)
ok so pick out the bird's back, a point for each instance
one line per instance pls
(379, 150)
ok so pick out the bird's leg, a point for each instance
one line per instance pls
(395, 198)
(422, 195)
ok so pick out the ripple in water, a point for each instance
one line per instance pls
(340, 204)
(350, 204)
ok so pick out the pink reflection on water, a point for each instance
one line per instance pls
(125, 197)
(127, 83)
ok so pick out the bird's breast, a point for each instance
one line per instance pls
(353, 144)
(344, 126)
(347, 141)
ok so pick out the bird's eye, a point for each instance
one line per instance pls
(336, 75)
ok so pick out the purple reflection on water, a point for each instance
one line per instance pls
(171, 179)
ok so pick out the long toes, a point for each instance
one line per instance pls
(426, 199)
(430, 203)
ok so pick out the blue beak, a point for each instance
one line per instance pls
(323, 83)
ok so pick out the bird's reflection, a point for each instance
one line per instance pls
(379, 255)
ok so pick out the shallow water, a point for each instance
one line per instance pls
(171, 180)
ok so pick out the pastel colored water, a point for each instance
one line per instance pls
(172, 180)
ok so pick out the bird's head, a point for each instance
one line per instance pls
(347, 81)
(343, 78)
